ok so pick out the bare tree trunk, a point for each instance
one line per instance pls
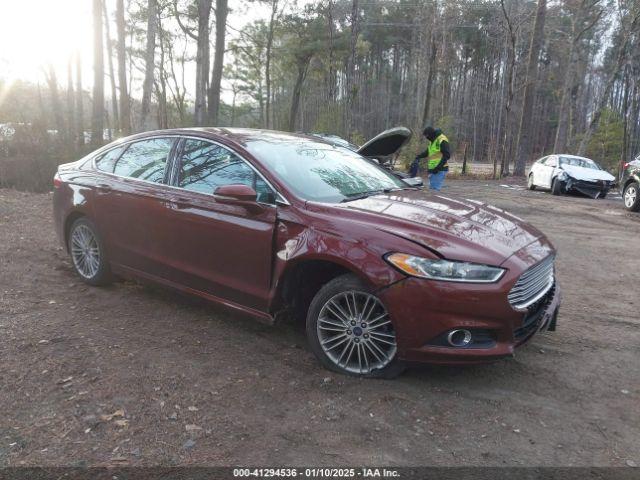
(79, 102)
(569, 82)
(202, 56)
(351, 69)
(430, 79)
(176, 88)
(56, 104)
(161, 84)
(620, 58)
(560, 142)
(303, 65)
(97, 117)
(218, 62)
(125, 108)
(71, 122)
(267, 68)
(233, 105)
(112, 76)
(524, 135)
(509, 81)
(147, 86)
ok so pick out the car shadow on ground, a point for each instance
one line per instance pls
(291, 332)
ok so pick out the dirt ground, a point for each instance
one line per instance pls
(133, 375)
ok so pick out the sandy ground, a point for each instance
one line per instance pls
(133, 375)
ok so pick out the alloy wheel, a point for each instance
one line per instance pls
(85, 251)
(630, 196)
(355, 332)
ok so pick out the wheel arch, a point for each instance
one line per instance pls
(630, 180)
(68, 221)
(302, 279)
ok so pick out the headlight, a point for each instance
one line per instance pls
(563, 175)
(447, 270)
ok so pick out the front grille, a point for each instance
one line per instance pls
(531, 321)
(533, 284)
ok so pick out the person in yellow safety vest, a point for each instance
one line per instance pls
(437, 155)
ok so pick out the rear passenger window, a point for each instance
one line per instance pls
(145, 160)
(107, 161)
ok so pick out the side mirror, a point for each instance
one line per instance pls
(238, 194)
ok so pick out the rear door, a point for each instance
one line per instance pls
(130, 203)
(220, 249)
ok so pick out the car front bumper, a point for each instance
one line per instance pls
(591, 189)
(424, 312)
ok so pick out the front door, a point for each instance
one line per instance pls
(220, 249)
(548, 169)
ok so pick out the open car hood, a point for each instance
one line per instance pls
(587, 174)
(385, 143)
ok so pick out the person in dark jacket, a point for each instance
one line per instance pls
(437, 155)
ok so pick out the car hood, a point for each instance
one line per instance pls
(385, 143)
(456, 229)
(587, 174)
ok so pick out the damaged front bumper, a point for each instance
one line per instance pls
(593, 189)
(423, 319)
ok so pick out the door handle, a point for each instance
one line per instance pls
(104, 188)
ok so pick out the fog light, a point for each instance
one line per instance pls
(459, 338)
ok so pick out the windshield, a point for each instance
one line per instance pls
(320, 172)
(579, 162)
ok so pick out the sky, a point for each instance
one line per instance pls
(35, 33)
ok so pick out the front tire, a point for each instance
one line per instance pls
(556, 187)
(631, 197)
(530, 184)
(350, 332)
(88, 254)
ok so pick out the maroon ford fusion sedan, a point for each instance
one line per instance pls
(274, 224)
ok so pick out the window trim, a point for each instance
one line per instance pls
(174, 160)
(279, 200)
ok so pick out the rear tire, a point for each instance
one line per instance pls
(557, 188)
(631, 197)
(530, 184)
(88, 254)
(349, 330)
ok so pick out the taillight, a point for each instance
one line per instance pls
(625, 165)
(57, 181)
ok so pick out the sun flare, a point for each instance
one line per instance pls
(54, 31)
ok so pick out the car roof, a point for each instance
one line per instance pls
(233, 134)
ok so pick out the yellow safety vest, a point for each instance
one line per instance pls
(435, 155)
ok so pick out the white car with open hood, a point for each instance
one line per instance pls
(570, 173)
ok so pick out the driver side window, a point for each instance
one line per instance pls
(205, 166)
(552, 162)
